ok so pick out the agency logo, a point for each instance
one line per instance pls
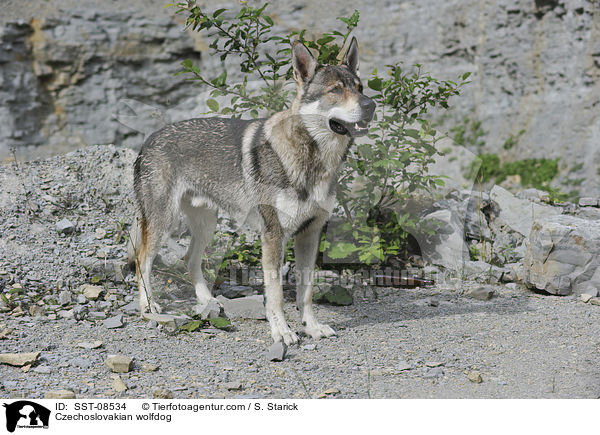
(26, 414)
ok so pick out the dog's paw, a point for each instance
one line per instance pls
(153, 307)
(280, 331)
(318, 330)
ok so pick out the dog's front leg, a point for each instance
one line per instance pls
(272, 254)
(306, 246)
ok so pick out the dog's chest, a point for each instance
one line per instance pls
(293, 211)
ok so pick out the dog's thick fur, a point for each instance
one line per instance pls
(278, 174)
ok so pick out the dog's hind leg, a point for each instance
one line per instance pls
(306, 245)
(203, 222)
(145, 251)
(155, 221)
(273, 245)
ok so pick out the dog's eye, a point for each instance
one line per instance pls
(359, 86)
(336, 89)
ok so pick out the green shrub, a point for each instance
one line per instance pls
(389, 168)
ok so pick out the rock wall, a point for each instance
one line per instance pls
(66, 69)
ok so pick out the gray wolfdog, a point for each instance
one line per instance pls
(276, 174)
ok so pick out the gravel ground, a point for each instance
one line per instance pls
(392, 343)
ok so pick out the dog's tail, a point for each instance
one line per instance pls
(133, 244)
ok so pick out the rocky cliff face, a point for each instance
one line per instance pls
(65, 77)
(67, 68)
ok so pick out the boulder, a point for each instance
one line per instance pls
(563, 255)
(249, 307)
(519, 214)
(446, 247)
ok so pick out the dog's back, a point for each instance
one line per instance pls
(198, 155)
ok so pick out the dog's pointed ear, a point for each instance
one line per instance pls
(351, 56)
(303, 62)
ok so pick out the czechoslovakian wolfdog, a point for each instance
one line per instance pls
(278, 174)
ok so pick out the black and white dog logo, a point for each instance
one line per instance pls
(26, 414)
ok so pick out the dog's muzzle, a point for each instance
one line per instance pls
(355, 129)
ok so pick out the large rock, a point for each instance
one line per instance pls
(249, 307)
(519, 214)
(446, 247)
(19, 359)
(563, 255)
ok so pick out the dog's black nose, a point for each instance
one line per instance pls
(368, 107)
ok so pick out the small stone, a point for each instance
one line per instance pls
(434, 363)
(595, 301)
(90, 344)
(118, 385)
(59, 394)
(208, 310)
(162, 393)
(91, 292)
(100, 233)
(131, 307)
(433, 302)
(149, 367)
(167, 320)
(311, 346)
(97, 315)
(119, 363)
(233, 386)
(403, 365)
(19, 359)
(64, 298)
(236, 291)
(277, 351)
(81, 299)
(483, 293)
(65, 226)
(434, 372)
(35, 311)
(84, 363)
(585, 297)
(328, 392)
(475, 377)
(114, 322)
(80, 311)
(44, 370)
(17, 312)
(66, 314)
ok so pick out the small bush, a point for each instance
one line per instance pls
(388, 169)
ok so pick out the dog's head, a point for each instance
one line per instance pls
(330, 96)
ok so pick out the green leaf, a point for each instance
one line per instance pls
(325, 40)
(218, 12)
(410, 132)
(220, 322)
(268, 19)
(375, 83)
(192, 326)
(187, 64)
(213, 105)
(341, 250)
(337, 295)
